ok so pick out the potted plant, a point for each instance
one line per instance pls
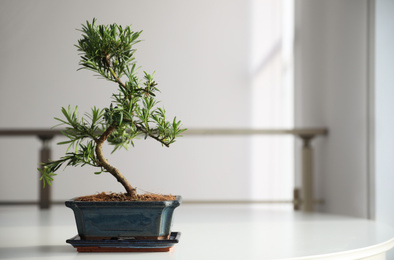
(108, 51)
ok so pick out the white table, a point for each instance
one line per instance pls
(208, 232)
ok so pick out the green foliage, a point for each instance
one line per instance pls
(107, 51)
(107, 47)
(78, 130)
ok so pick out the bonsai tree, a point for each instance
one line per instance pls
(108, 51)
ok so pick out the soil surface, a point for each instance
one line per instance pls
(110, 196)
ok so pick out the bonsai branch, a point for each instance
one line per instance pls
(141, 129)
(104, 163)
(107, 60)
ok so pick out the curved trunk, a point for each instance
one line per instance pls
(104, 163)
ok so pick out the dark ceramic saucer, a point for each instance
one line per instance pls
(124, 245)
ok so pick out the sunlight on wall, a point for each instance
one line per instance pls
(272, 160)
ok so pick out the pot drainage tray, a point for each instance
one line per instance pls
(124, 245)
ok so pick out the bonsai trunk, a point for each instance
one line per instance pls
(104, 163)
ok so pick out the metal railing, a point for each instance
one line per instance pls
(303, 196)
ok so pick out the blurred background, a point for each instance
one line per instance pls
(255, 64)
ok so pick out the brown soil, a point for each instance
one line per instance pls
(110, 196)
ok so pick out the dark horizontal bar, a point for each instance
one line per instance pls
(265, 131)
(18, 203)
(212, 131)
(29, 132)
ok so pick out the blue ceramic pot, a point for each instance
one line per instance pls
(126, 219)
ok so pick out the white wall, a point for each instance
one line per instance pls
(200, 50)
(202, 62)
(384, 106)
(331, 79)
(384, 120)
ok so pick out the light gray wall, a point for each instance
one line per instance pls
(384, 107)
(198, 55)
(200, 52)
(331, 81)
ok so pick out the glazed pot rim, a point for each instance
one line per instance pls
(176, 202)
